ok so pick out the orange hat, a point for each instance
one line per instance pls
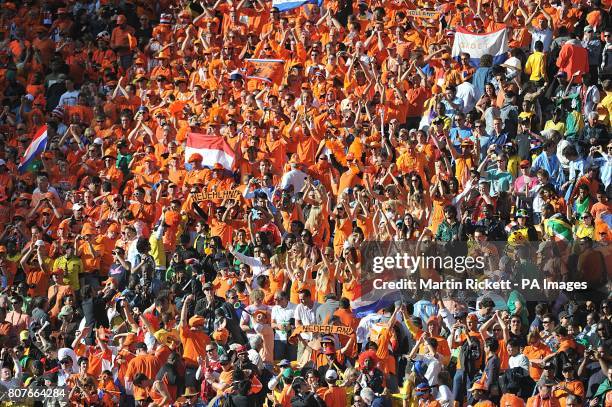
(88, 229)
(121, 19)
(109, 153)
(218, 166)
(129, 339)
(196, 321)
(114, 227)
(436, 89)
(139, 60)
(220, 335)
(162, 55)
(594, 18)
(196, 157)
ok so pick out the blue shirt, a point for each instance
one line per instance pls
(551, 165)
(458, 134)
(500, 180)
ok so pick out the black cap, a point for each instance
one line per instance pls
(223, 359)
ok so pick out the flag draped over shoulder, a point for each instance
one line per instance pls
(494, 43)
(268, 70)
(213, 149)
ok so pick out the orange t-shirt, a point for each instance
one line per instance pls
(194, 344)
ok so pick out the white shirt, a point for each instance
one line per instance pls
(467, 93)
(306, 316)
(545, 36)
(69, 98)
(519, 360)
(295, 178)
(433, 368)
(282, 315)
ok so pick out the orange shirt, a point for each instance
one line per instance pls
(149, 365)
(575, 387)
(194, 344)
(91, 260)
(537, 351)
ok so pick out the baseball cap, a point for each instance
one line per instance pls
(422, 388)
(524, 164)
(331, 375)
(284, 363)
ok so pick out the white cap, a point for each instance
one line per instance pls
(39, 243)
(98, 141)
(77, 206)
(331, 375)
(29, 97)
(2, 162)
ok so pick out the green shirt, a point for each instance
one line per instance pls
(446, 231)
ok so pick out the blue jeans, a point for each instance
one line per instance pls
(284, 350)
(461, 383)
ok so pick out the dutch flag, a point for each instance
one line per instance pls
(36, 147)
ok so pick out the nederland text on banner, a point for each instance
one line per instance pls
(284, 5)
(422, 13)
(494, 43)
(213, 149)
(269, 70)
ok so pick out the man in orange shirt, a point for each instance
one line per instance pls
(194, 341)
(334, 396)
(83, 246)
(145, 363)
(121, 41)
(545, 396)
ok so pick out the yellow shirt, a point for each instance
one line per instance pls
(560, 127)
(606, 112)
(536, 66)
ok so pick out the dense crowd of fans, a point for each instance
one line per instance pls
(122, 287)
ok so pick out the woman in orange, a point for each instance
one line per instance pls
(325, 280)
(349, 272)
(301, 279)
(440, 195)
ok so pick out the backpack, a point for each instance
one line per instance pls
(469, 354)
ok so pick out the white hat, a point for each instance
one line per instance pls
(2, 162)
(77, 207)
(98, 141)
(39, 243)
(29, 97)
(331, 375)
